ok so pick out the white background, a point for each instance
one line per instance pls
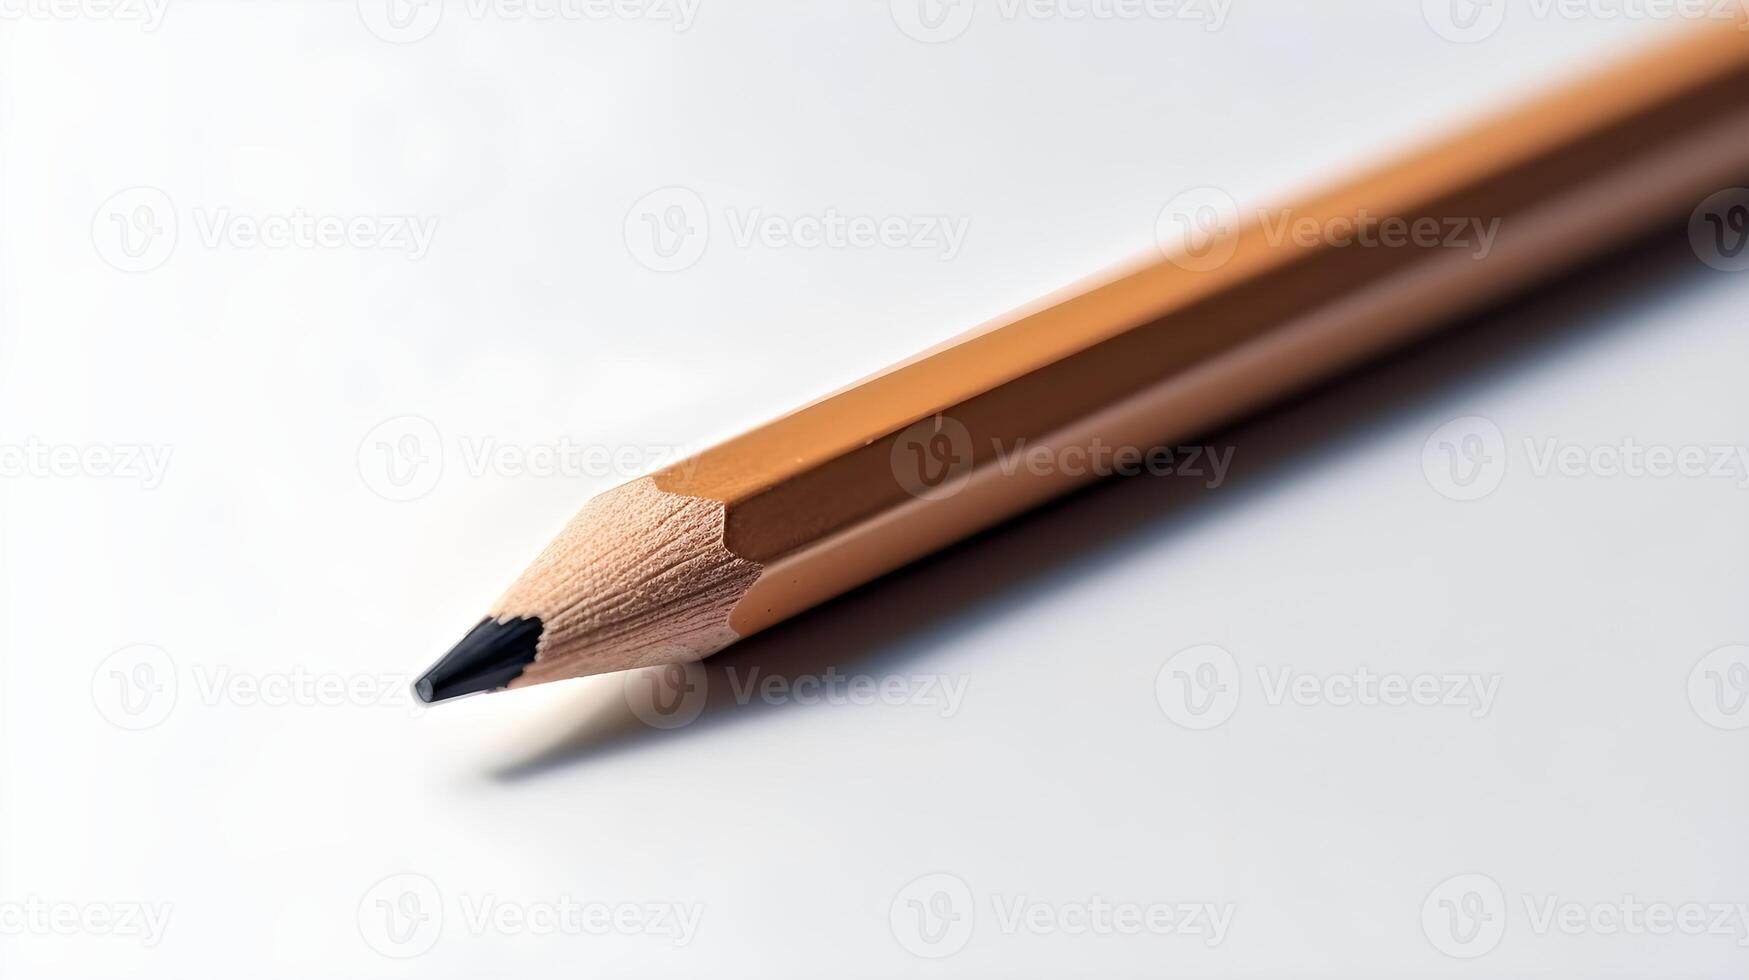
(268, 552)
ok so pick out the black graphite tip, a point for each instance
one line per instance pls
(489, 658)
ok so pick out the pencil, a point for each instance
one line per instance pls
(677, 565)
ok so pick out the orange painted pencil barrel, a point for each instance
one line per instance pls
(742, 536)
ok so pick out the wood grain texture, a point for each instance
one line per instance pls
(638, 577)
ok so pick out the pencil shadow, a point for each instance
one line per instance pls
(886, 626)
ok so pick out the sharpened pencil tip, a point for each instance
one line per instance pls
(487, 659)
